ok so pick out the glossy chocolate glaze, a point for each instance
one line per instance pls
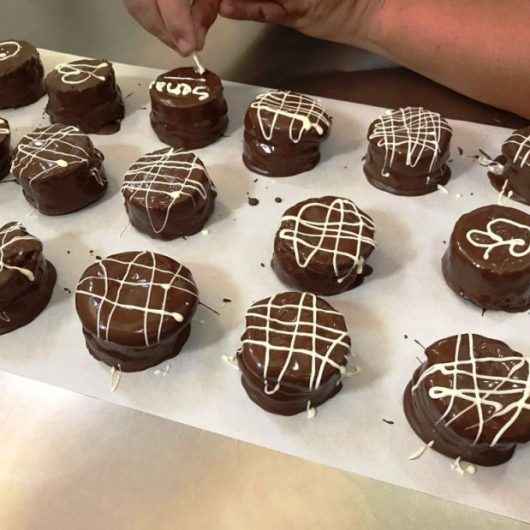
(322, 246)
(498, 278)
(136, 308)
(283, 133)
(59, 169)
(26, 278)
(408, 150)
(440, 400)
(21, 74)
(84, 93)
(293, 353)
(5, 148)
(514, 178)
(188, 109)
(168, 194)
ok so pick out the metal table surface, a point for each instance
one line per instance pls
(69, 461)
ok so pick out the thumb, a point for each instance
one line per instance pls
(203, 14)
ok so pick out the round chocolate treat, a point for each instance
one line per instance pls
(136, 308)
(59, 169)
(322, 246)
(283, 133)
(26, 278)
(84, 93)
(488, 259)
(470, 399)
(5, 148)
(188, 109)
(21, 74)
(168, 194)
(293, 353)
(510, 173)
(408, 151)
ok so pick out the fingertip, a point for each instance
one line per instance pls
(184, 47)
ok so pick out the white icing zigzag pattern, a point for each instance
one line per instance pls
(522, 142)
(11, 235)
(184, 86)
(304, 113)
(9, 49)
(166, 175)
(487, 388)
(278, 332)
(416, 129)
(137, 276)
(349, 224)
(490, 240)
(79, 73)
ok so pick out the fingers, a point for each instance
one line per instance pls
(203, 14)
(176, 15)
(147, 15)
(260, 11)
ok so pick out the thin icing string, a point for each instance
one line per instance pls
(416, 129)
(130, 277)
(304, 113)
(199, 68)
(9, 49)
(476, 238)
(77, 74)
(292, 332)
(308, 236)
(11, 235)
(486, 387)
(167, 174)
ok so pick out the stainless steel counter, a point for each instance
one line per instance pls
(69, 461)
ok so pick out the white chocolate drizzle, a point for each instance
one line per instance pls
(522, 142)
(9, 49)
(271, 329)
(487, 388)
(167, 175)
(414, 129)
(115, 378)
(343, 224)
(489, 239)
(12, 235)
(129, 278)
(79, 73)
(304, 113)
(421, 451)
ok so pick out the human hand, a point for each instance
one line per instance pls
(336, 20)
(181, 24)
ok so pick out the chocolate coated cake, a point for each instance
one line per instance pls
(5, 148)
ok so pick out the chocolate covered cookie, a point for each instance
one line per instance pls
(293, 353)
(5, 148)
(488, 258)
(283, 133)
(168, 194)
(408, 150)
(322, 245)
(470, 399)
(188, 108)
(21, 74)
(510, 174)
(59, 169)
(136, 308)
(84, 93)
(27, 279)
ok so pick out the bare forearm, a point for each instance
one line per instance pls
(480, 48)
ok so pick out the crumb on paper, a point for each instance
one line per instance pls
(262, 265)
(278, 199)
(252, 201)
(66, 290)
(227, 301)
(460, 151)
(388, 422)
(405, 336)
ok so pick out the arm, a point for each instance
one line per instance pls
(480, 48)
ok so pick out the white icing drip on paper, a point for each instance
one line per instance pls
(478, 396)
(8, 238)
(310, 328)
(184, 86)
(126, 280)
(443, 189)
(308, 236)
(231, 360)
(77, 74)
(304, 112)
(115, 378)
(168, 173)
(9, 49)
(421, 451)
(522, 142)
(517, 247)
(463, 468)
(310, 411)
(416, 129)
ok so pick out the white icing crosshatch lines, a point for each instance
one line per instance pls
(522, 143)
